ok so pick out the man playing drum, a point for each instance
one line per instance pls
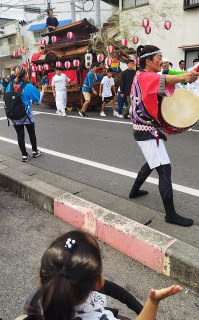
(147, 92)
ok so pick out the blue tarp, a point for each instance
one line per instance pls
(41, 26)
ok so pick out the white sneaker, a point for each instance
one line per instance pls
(129, 116)
(120, 115)
(57, 112)
(102, 114)
(115, 114)
(62, 114)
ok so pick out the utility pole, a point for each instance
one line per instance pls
(48, 4)
(98, 14)
(72, 8)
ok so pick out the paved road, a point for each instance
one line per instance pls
(26, 231)
(108, 142)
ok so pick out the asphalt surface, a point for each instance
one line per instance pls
(109, 143)
(26, 232)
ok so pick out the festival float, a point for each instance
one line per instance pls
(74, 48)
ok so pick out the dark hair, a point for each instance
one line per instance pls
(94, 64)
(58, 68)
(196, 60)
(49, 11)
(181, 61)
(68, 277)
(171, 64)
(20, 73)
(129, 61)
(110, 70)
(141, 50)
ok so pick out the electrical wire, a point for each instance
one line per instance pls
(10, 7)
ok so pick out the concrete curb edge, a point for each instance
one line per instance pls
(160, 252)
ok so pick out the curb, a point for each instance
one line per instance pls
(158, 251)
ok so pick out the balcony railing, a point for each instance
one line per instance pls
(127, 4)
(190, 4)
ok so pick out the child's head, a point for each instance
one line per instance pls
(67, 277)
(110, 72)
(58, 71)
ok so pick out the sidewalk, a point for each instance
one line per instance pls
(177, 258)
(25, 233)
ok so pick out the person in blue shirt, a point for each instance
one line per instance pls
(29, 93)
(5, 82)
(88, 87)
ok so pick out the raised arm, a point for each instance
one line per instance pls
(150, 309)
(190, 76)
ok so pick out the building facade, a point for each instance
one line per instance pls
(31, 24)
(10, 40)
(180, 42)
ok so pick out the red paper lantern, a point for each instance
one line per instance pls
(54, 39)
(40, 67)
(167, 25)
(110, 49)
(70, 35)
(148, 30)
(67, 64)
(15, 53)
(145, 22)
(108, 61)
(59, 64)
(34, 68)
(100, 57)
(135, 40)
(24, 51)
(46, 67)
(124, 42)
(26, 61)
(136, 61)
(42, 42)
(76, 63)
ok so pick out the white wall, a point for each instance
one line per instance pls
(184, 29)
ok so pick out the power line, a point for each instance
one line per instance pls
(10, 7)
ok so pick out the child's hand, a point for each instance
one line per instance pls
(100, 94)
(157, 295)
(90, 223)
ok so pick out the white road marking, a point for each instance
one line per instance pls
(129, 174)
(3, 118)
(93, 119)
(87, 118)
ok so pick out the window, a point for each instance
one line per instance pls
(189, 4)
(190, 56)
(38, 36)
(133, 3)
(12, 40)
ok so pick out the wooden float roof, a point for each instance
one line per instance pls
(61, 55)
(82, 27)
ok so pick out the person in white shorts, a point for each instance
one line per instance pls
(59, 91)
(147, 91)
(106, 86)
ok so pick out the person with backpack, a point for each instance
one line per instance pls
(18, 110)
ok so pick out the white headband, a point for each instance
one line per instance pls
(150, 54)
